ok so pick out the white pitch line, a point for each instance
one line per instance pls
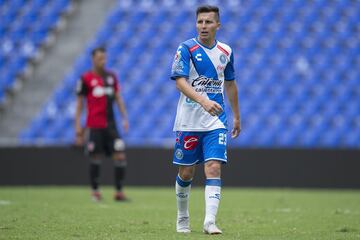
(5, 202)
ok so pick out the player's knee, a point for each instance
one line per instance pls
(213, 169)
(186, 176)
(96, 158)
(186, 173)
(119, 156)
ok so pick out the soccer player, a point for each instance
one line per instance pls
(202, 68)
(100, 89)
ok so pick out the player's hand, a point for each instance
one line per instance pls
(212, 107)
(79, 138)
(236, 129)
(125, 125)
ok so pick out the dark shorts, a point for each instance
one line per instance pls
(103, 141)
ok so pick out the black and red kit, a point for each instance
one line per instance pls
(100, 94)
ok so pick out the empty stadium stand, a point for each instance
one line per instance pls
(297, 65)
(24, 28)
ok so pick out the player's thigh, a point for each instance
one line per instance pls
(214, 145)
(94, 142)
(115, 145)
(188, 149)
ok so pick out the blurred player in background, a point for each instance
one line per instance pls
(202, 67)
(100, 89)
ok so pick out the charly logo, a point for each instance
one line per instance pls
(216, 196)
(179, 154)
(190, 142)
(198, 57)
(222, 58)
(182, 195)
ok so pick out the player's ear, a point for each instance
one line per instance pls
(218, 26)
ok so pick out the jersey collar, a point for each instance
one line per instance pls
(198, 42)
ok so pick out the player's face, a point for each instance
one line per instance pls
(206, 25)
(99, 60)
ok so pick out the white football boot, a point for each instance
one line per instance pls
(211, 228)
(183, 225)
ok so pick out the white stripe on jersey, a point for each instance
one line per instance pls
(205, 72)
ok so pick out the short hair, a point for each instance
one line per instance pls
(98, 49)
(207, 9)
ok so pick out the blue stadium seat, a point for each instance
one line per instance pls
(296, 64)
(24, 26)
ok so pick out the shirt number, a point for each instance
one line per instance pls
(222, 138)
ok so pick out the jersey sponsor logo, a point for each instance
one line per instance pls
(220, 68)
(179, 154)
(190, 102)
(208, 85)
(100, 91)
(190, 142)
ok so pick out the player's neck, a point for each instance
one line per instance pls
(99, 71)
(207, 43)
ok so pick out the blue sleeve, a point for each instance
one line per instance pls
(181, 63)
(229, 71)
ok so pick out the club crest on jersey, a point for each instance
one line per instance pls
(179, 154)
(190, 142)
(222, 58)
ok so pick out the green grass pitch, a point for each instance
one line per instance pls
(68, 213)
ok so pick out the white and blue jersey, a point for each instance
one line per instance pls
(205, 69)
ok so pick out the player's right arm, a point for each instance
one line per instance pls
(210, 106)
(180, 72)
(79, 107)
(79, 130)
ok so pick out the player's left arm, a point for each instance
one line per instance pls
(121, 105)
(232, 95)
